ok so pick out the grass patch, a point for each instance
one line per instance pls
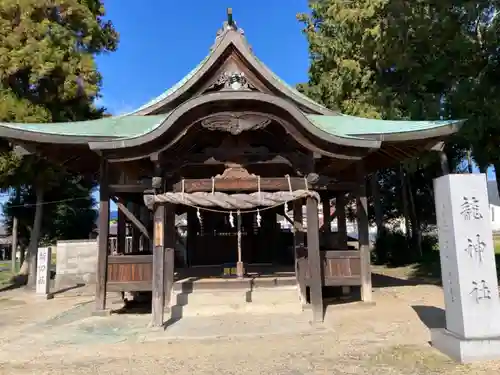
(411, 359)
(5, 278)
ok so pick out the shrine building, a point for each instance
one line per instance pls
(231, 146)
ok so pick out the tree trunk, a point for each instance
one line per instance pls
(14, 245)
(14, 235)
(22, 257)
(29, 266)
(379, 215)
(404, 197)
(415, 224)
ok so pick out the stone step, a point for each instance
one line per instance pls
(216, 302)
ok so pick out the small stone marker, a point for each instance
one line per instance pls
(43, 272)
(468, 270)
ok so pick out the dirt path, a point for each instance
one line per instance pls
(59, 337)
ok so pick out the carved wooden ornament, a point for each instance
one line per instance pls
(235, 123)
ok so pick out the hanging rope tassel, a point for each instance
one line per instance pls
(231, 219)
(258, 218)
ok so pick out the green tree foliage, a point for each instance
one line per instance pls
(69, 211)
(47, 74)
(418, 60)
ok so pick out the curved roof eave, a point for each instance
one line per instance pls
(234, 38)
(437, 132)
(81, 132)
(22, 135)
(280, 103)
(386, 130)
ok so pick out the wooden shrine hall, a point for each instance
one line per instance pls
(230, 147)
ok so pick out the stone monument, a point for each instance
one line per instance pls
(43, 272)
(468, 270)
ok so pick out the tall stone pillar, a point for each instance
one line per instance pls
(468, 270)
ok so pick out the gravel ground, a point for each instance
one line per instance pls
(59, 337)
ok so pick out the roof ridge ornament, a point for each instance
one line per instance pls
(227, 26)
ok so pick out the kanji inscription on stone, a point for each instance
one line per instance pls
(470, 208)
(43, 271)
(480, 291)
(467, 256)
(475, 248)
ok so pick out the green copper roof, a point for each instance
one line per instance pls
(119, 126)
(130, 126)
(357, 126)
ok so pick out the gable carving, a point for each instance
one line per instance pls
(235, 123)
(231, 80)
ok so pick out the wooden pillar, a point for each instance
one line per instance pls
(299, 250)
(136, 233)
(341, 219)
(158, 287)
(314, 258)
(363, 236)
(327, 219)
(158, 300)
(102, 252)
(192, 236)
(121, 233)
(169, 244)
(144, 216)
(445, 166)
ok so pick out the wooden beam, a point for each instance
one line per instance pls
(363, 236)
(252, 184)
(102, 252)
(313, 256)
(158, 287)
(128, 188)
(129, 215)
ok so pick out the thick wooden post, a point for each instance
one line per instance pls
(363, 236)
(158, 301)
(314, 258)
(121, 233)
(158, 287)
(327, 219)
(102, 253)
(299, 250)
(136, 233)
(169, 243)
(341, 220)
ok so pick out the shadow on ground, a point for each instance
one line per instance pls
(386, 281)
(433, 317)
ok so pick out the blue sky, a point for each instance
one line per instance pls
(163, 41)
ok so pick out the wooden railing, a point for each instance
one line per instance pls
(128, 273)
(339, 268)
